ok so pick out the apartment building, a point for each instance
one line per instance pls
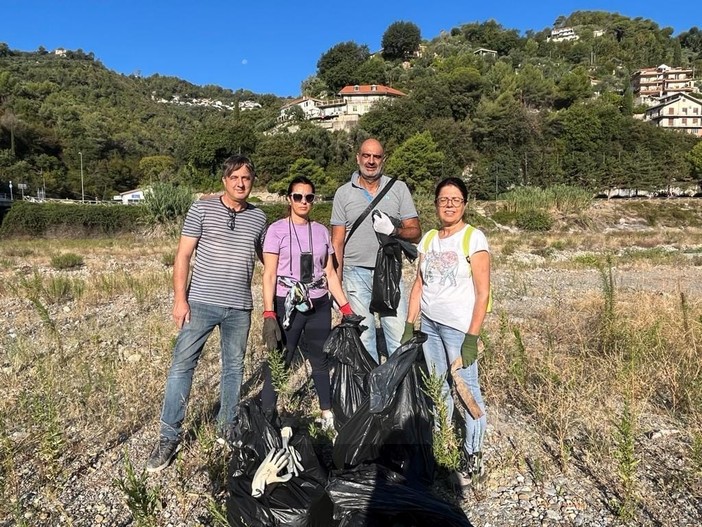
(679, 112)
(649, 85)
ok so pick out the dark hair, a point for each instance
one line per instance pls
(455, 182)
(235, 162)
(300, 179)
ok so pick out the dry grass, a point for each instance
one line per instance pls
(86, 352)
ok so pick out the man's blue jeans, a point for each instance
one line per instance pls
(442, 347)
(234, 327)
(358, 286)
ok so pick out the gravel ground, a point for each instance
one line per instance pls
(524, 487)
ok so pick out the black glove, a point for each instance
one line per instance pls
(271, 333)
(409, 332)
(469, 349)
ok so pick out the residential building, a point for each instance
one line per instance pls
(361, 97)
(562, 34)
(344, 111)
(131, 196)
(484, 51)
(651, 84)
(308, 105)
(679, 111)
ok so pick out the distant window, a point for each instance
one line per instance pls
(671, 122)
(684, 120)
(685, 110)
(695, 110)
(356, 88)
(671, 111)
(694, 120)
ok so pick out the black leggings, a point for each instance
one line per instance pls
(316, 326)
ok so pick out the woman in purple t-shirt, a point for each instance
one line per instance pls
(298, 275)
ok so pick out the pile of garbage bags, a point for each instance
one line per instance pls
(383, 460)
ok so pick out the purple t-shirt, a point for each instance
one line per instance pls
(287, 240)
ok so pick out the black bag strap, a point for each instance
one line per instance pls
(370, 207)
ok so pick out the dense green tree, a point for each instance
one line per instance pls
(338, 67)
(692, 39)
(465, 86)
(695, 159)
(157, 168)
(392, 122)
(372, 71)
(400, 40)
(313, 86)
(455, 141)
(535, 90)
(275, 155)
(573, 86)
(418, 162)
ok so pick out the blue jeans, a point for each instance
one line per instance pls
(234, 331)
(442, 347)
(358, 286)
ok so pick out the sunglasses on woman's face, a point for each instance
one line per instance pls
(297, 197)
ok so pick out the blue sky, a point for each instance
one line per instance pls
(267, 46)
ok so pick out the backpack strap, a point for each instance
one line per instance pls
(466, 246)
(430, 235)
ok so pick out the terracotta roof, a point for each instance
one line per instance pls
(367, 89)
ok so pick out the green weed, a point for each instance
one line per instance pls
(447, 451)
(66, 261)
(626, 463)
(143, 501)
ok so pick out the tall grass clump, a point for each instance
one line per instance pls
(66, 261)
(167, 204)
(558, 197)
(447, 451)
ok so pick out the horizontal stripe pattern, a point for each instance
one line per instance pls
(224, 258)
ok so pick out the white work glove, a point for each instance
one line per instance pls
(295, 459)
(267, 472)
(382, 223)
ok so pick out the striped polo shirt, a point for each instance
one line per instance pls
(224, 258)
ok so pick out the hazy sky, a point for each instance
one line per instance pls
(266, 46)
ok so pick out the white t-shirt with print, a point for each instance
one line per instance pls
(448, 295)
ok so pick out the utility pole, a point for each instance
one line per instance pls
(82, 190)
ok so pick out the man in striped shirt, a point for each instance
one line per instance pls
(228, 235)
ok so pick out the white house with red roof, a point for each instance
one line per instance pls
(344, 111)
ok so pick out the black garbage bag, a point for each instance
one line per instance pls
(374, 496)
(387, 277)
(393, 426)
(349, 382)
(300, 502)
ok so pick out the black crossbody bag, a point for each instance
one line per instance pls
(370, 207)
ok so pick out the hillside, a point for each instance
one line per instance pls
(533, 111)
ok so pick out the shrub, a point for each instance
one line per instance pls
(63, 219)
(166, 203)
(534, 220)
(66, 261)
